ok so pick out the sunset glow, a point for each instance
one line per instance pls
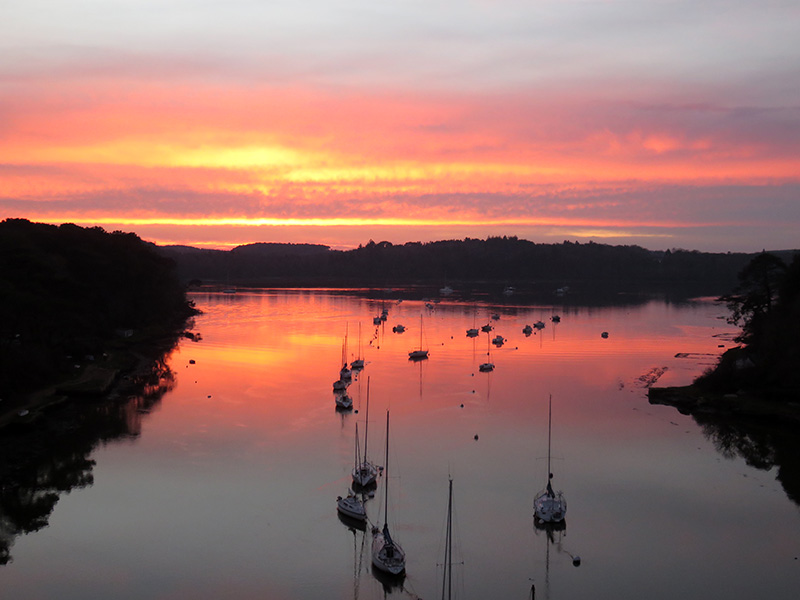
(236, 123)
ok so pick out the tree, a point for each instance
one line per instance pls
(755, 296)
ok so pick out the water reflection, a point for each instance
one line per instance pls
(762, 445)
(39, 463)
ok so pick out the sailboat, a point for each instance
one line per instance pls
(473, 332)
(488, 365)
(549, 506)
(419, 354)
(364, 472)
(344, 373)
(358, 363)
(387, 555)
(352, 505)
(342, 399)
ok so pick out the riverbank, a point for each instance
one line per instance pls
(115, 373)
(692, 400)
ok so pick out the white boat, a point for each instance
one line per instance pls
(352, 506)
(549, 506)
(419, 354)
(509, 290)
(358, 363)
(364, 472)
(387, 555)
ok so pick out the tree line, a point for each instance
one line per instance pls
(68, 292)
(496, 259)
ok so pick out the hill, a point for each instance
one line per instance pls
(507, 260)
(70, 295)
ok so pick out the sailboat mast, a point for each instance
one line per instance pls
(447, 580)
(549, 431)
(358, 450)
(385, 474)
(366, 424)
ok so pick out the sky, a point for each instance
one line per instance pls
(214, 123)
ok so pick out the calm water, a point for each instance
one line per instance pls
(225, 485)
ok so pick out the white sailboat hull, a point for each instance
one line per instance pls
(365, 474)
(352, 507)
(550, 508)
(389, 558)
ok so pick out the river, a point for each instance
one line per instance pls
(222, 480)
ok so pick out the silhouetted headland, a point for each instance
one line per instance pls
(757, 379)
(80, 309)
(503, 261)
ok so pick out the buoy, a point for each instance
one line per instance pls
(576, 560)
(476, 436)
(462, 406)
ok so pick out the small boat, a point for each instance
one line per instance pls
(340, 385)
(351, 506)
(488, 366)
(358, 363)
(344, 372)
(364, 472)
(496, 317)
(343, 400)
(399, 328)
(604, 335)
(473, 332)
(498, 340)
(376, 320)
(446, 290)
(527, 330)
(487, 328)
(538, 325)
(549, 506)
(419, 353)
(509, 290)
(387, 555)
(555, 319)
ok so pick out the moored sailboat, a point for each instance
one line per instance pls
(419, 353)
(387, 555)
(364, 472)
(549, 506)
(358, 363)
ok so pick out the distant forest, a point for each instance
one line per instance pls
(499, 260)
(68, 292)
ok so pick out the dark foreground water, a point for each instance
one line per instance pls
(221, 481)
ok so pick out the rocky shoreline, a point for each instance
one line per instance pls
(692, 400)
(116, 374)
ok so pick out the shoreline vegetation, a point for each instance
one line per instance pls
(758, 379)
(83, 313)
